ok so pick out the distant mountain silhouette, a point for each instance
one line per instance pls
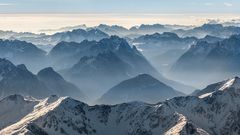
(58, 84)
(220, 56)
(75, 35)
(18, 80)
(143, 88)
(209, 62)
(22, 52)
(103, 64)
(217, 30)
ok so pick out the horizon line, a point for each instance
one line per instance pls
(119, 13)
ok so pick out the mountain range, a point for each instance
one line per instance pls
(18, 80)
(211, 39)
(64, 29)
(71, 60)
(132, 80)
(73, 52)
(96, 73)
(215, 113)
(219, 60)
(162, 50)
(22, 52)
(156, 43)
(71, 32)
(76, 35)
(137, 31)
(217, 30)
(105, 63)
(16, 35)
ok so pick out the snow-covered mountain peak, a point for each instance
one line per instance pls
(14, 108)
(42, 108)
(231, 83)
(216, 114)
(185, 127)
(224, 86)
(47, 101)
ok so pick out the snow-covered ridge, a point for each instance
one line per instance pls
(13, 108)
(216, 114)
(231, 83)
(43, 107)
(222, 86)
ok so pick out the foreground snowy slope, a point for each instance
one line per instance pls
(14, 108)
(214, 114)
(68, 116)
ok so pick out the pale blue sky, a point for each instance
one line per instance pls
(120, 6)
